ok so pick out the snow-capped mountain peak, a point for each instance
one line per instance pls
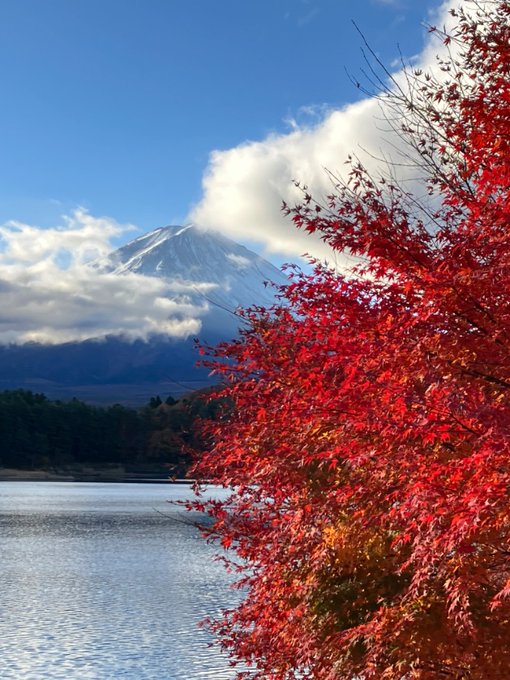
(233, 275)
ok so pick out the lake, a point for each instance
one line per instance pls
(105, 581)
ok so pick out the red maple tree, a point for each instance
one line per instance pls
(366, 435)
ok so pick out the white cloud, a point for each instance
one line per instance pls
(243, 187)
(49, 292)
(82, 236)
(240, 261)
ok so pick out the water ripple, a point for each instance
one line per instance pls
(105, 581)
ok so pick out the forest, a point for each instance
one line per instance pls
(37, 433)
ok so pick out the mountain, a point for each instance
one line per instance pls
(213, 272)
(192, 255)
(211, 268)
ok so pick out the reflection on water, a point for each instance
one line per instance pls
(105, 581)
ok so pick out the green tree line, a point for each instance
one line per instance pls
(36, 432)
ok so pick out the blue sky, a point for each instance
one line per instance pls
(115, 105)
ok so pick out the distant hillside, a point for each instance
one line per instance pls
(104, 371)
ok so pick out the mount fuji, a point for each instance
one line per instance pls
(206, 273)
(213, 273)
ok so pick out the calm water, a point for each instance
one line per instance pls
(105, 581)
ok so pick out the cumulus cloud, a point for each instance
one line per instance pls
(50, 292)
(80, 239)
(243, 187)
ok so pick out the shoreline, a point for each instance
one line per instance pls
(115, 475)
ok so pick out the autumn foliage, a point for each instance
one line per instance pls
(366, 436)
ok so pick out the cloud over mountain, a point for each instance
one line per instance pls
(243, 187)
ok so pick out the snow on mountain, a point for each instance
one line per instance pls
(202, 265)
